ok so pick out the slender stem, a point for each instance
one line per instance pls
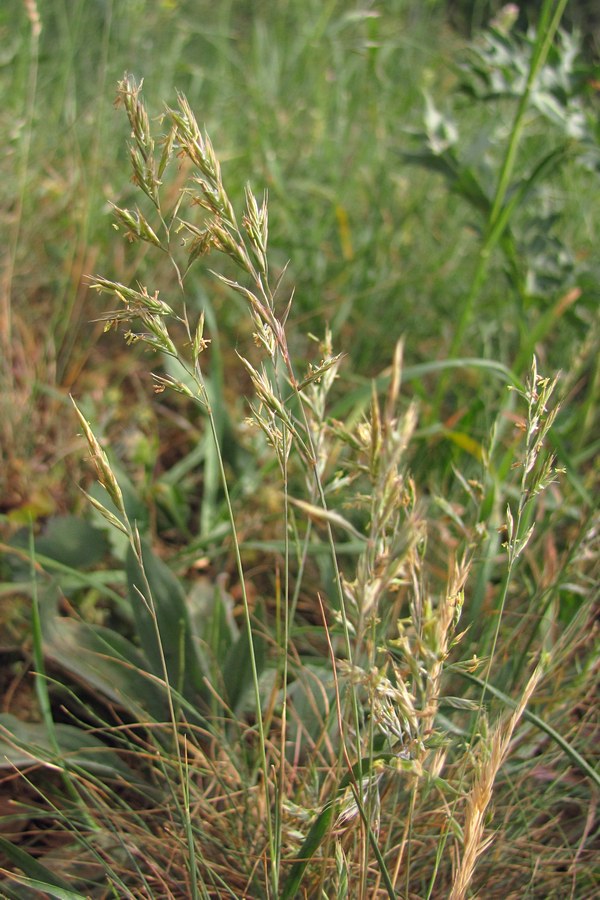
(248, 621)
(147, 598)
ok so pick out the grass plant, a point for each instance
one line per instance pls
(335, 636)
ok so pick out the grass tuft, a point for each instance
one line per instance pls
(314, 633)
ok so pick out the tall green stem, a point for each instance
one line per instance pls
(501, 211)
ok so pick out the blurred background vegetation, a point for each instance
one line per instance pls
(319, 103)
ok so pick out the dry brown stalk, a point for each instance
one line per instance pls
(480, 795)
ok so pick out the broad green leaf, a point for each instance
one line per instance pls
(103, 660)
(319, 514)
(311, 694)
(460, 178)
(163, 623)
(68, 541)
(31, 884)
(71, 578)
(321, 827)
(459, 703)
(135, 507)
(465, 442)
(72, 541)
(237, 669)
(211, 614)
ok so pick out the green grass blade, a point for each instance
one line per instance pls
(316, 835)
(570, 751)
(37, 875)
(356, 400)
(320, 828)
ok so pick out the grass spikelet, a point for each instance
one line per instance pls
(99, 458)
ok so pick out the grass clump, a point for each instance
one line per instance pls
(399, 655)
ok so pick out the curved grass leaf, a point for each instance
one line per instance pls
(36, 876)
(71, 579)
(358, 399)
(318, 831)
